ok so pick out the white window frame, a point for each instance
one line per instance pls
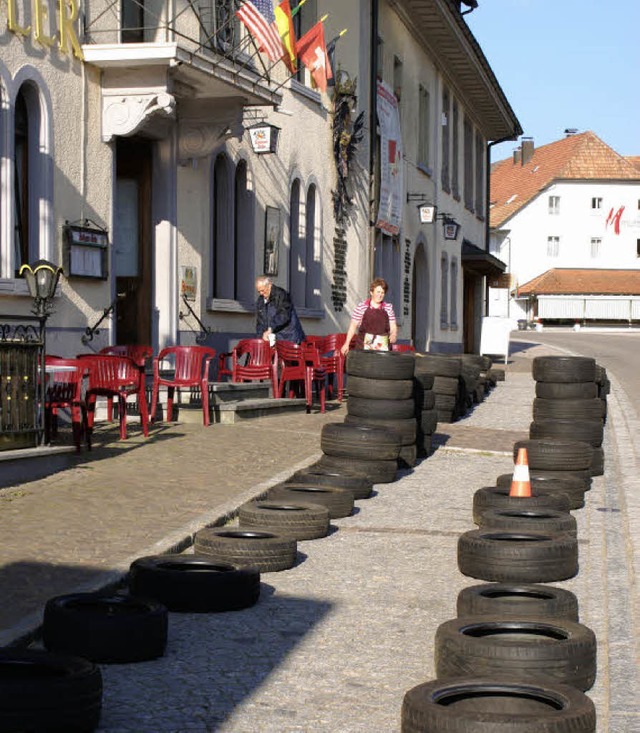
(595, 250)
(553, 246)
(554, 205)
(596, 203)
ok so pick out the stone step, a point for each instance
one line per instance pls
(228, 413)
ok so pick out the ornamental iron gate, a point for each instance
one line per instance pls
(22, 359)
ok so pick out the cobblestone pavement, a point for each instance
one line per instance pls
(334, 642)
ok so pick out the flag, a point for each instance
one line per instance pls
(258, 17)
(313, 53)
(284, 24)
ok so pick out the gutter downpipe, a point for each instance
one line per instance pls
(487, 204)
(373, 97)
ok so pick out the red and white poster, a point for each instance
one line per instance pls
(391, 164)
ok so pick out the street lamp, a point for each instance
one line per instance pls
(42, 280)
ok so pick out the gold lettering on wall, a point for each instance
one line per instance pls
(65, 28)
(12, 20)
(67, 15)
(41, 12)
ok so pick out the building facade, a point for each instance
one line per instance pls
(573, 204)
(127, 158)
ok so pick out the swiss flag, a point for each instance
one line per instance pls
(312, 51)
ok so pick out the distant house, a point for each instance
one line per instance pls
(565, 217)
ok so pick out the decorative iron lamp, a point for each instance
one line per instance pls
(264, 137)
(450, 228)
(42, 280)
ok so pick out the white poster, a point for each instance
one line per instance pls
(391, 165)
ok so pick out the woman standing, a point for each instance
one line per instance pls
(373, 322)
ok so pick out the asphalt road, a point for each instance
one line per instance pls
(617, 351)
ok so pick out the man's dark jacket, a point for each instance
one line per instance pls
(279, 314)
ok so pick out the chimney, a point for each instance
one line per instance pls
(570, 131)
(527, 149)
(517, 154)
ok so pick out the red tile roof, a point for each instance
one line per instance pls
(576, 157)
(634, 160)
(569, 281)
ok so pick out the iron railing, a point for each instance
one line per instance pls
(22, 379)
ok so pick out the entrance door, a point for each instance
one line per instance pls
(420, 300)
(132, 241)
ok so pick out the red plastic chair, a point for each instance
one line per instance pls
(260, 362)
(402, 347)
(191, 369)
(315, 375)
(64, 390)
(117, 377)
(332, 360)
(223, 368)
(291, 367)
(139, 354)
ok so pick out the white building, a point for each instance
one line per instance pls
(573, 204)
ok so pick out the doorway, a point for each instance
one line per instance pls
(132, 241)
(420, 299)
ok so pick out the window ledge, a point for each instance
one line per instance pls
(13, 286)
(304, 91)
(230, 306)
(425, 169)
(453, 327)
(444, 326)
(317, 313)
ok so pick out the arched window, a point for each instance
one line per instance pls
(297, 247)
(21, 182)
(223, 260)
(243, 229)
(313, 236)
(453, 309)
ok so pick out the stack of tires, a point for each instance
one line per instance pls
(567, 404)
(381, 394)
(446, 371)
(425, 404)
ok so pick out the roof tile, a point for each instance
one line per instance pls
(569, 281)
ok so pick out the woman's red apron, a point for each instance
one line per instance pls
(374, 321)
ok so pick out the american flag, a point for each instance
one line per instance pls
(259, 18)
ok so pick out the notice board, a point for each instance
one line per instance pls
(494, 336)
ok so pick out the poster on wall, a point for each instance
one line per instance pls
(391, 164)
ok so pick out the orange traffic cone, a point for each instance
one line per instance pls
(520, 482)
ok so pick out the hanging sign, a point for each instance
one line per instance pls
(391, 164)
(189, 282)
(427, 214)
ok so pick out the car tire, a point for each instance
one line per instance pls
(517, 599)
(339, 502)
(301, 521)
(258, 548)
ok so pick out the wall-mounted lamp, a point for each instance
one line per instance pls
(263, 137)
(450, 228)
(428, 213)
(42, 280)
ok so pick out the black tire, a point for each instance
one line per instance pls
(548, 521)
(438, 364)
(339, 502)
(473, 362)
(380, 364)
(597, 463)
(360, 441)
(194, 583)
(256, 548)
(358, 484)
(585, 431)
(381, 409)
(42, 692)
(584, 477)
(446, 385)
(445, 401)
(406, 428)
(408, 456)
(301, 521)
(495, 375)
(571, 487)
(492, 705)
(423, 379)
(564, 369)
(425, 399)
(567, 390)
(429, 421)
(527, 649)
(521, 557)
(568, 409)
(379, 472)
(380, 389)
(446, 416)
(549, 455)
(108, 629)
(517, 599)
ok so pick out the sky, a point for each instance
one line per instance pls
(565, 64)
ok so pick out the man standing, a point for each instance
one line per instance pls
(276, 314)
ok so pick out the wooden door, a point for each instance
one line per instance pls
(132, 241)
